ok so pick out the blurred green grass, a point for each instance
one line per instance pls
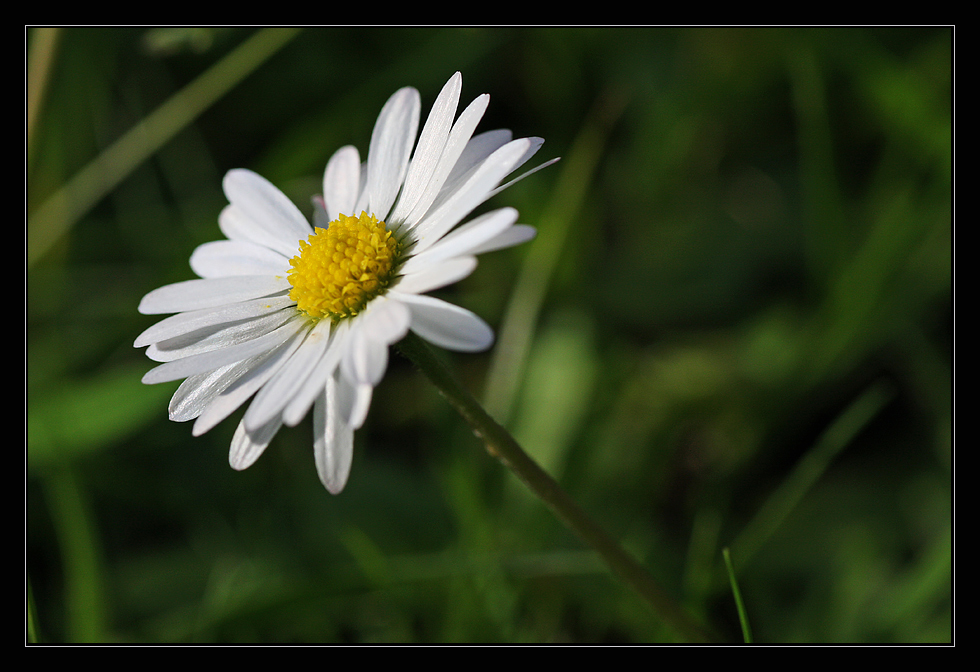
(735, 323)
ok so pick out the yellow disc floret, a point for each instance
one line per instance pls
(341, 268)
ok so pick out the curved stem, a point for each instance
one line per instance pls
(502, 445)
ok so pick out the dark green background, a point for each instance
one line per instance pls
(742, 275)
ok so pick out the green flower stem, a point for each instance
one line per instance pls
(502, 445)
(743, 616)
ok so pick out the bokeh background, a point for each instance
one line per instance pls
(734, 330)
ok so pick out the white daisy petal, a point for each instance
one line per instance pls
(455, 145)
(210, 293)
(259, 199)
(321, 220)
(437, 274)
(246, 446)
(533, 145)
(238, 226)
(366, 357)
(261, 370)
(362, 199)
(233, 257)
(365, 361)
(386, 321)
(275, 394)
(217, 337)
(515, 235)
(333, 444)
(361, 405)
(428, 151)
(346, 399)
(476, 152)
(471, 194)
(520, 177)
(196, 393)
(185, 323)
(391, 145)
(293, 316)
(447, 325)
(206, 361)
(353, 399)
(463, 240)
(300, 404)
(342, 182)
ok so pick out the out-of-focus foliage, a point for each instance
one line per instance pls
(733, 330)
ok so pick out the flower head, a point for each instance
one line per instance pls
(302, 316)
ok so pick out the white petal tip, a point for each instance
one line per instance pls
(144, 308)
(362, 405)
(335, 488)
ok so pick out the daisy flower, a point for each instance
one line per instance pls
(300, 316)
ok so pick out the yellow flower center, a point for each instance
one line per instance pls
(341, 268)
